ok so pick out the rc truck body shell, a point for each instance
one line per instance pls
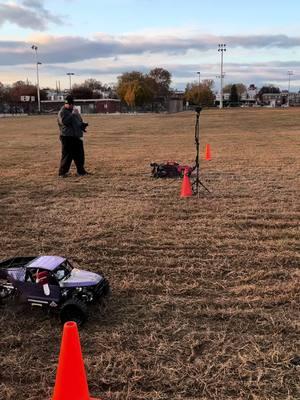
(51, 281)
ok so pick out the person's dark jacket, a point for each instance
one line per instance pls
(70, 124)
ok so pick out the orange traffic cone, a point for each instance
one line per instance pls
(71, 383)
(207, 153)
(186, 188)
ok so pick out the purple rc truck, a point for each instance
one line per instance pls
(52, 282)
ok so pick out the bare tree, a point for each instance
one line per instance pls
(200, 94)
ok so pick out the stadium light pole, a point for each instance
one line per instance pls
(221, 49)
(70, 78)
(35, 49)
(290, 73)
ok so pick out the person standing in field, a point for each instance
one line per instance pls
(71, 136)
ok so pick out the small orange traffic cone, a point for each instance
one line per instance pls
(71, 382)
(186, 188)
(207, 153)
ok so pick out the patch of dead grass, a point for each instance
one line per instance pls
(205, 291)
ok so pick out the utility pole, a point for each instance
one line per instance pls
(35, 48)
(70, 78)
(221, 49)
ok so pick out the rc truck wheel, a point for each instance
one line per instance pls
(105, 294)
(6, 291)
(106, 290)
(74, 310)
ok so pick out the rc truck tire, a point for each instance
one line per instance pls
(74, 310)
(106, 290)
(6, 292)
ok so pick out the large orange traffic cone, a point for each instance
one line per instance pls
(71, 383)
(186, 188)
(207, 153)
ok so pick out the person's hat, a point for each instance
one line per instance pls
(69, 99)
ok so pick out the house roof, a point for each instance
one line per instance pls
(46, 262)
(85, 101)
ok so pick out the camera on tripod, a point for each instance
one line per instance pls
(83, 126)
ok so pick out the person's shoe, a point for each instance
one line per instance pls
(63, 175)
(84, 173)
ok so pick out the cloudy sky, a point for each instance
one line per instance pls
(104, 38)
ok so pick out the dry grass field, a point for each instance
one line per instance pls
(206, 298)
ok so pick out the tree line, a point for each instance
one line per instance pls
(136, 89)
(12, 93)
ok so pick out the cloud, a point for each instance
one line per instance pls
(274, 72)
(263, 41)
(37, 4)
(106, 56)
(29, 14)
(179, 70)
(69, 49)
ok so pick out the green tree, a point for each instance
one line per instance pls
(240, 87)
(234, 96)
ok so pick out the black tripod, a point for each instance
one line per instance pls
(197, 182)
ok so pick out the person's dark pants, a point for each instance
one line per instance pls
(81, 153)
(72, 150)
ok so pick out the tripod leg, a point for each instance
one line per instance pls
(195, 186)
(204, 186)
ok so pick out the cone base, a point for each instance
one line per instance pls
(91, 398)
(185, 196)
(95, 398)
